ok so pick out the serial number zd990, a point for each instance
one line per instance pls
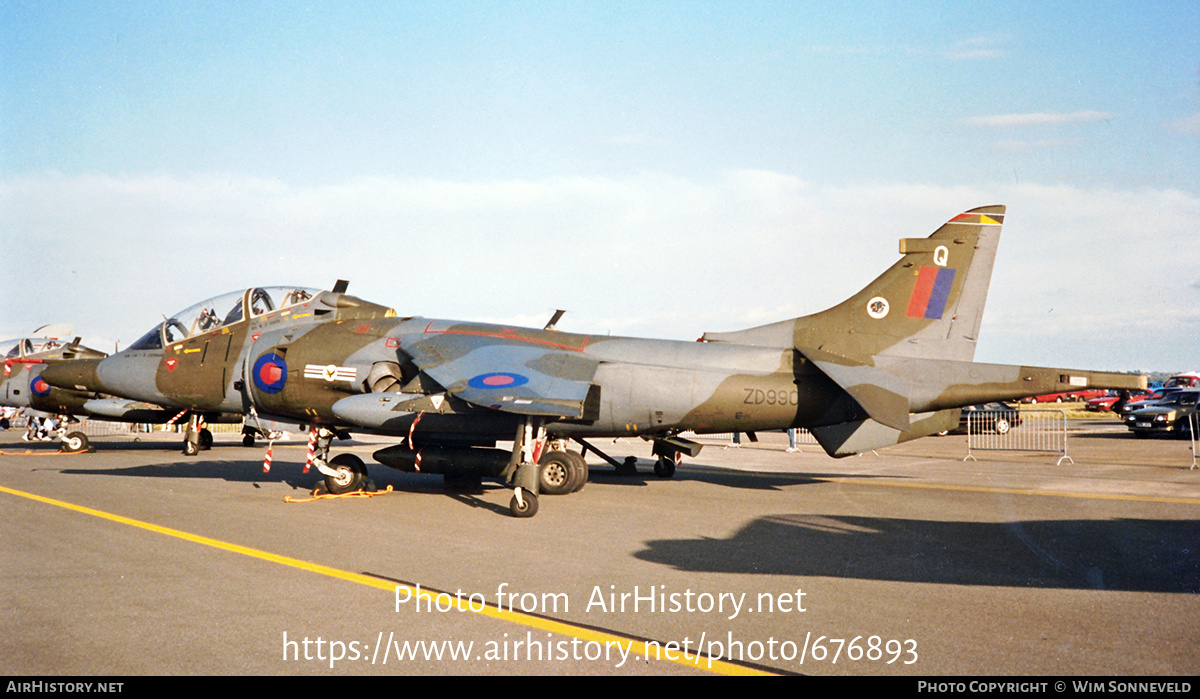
(758, 396)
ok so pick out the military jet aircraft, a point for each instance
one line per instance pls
(889, 364)
(23, 387)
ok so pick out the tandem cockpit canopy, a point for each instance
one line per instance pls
(27, 346)
(221, 311)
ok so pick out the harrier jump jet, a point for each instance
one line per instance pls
(890, 364)
(22, 386)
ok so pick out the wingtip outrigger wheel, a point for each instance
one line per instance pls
(664, 467)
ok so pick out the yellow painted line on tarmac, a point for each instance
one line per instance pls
(1016, 491)
(648, 650)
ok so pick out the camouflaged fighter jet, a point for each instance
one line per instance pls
(889, 364)
(23, 387)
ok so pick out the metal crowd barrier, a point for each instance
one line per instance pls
(108, 428)
(1023, 430)
(803, 436)
(1194, 421)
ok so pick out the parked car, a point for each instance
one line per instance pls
(1172, 415)
(1085, 394)
(989, 417)
(1104, 404)
(1189, 379)
(1156, 397)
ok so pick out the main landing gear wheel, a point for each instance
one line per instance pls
(190, 448)
(247, 440)
(581, 470)
(206, 439)
(664, 467)
(523, 504)
(350, 473)
(75, 443)
(561, 472)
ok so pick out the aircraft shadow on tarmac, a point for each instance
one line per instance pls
(233, 466)
(750, 480)
(238, 471)
(232, 471)
(1135, 555)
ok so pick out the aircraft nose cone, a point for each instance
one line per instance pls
(79, 374)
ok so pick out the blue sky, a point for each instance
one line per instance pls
(657, 169)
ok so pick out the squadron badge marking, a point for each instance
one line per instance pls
(878, 307)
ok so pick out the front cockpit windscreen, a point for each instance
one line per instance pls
(219, 312)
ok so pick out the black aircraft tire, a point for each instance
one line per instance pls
(664, 467)
(529, 507)
(206, 439)
(75, 443)
(556, 473)
(581, 471)
(247, 440)
(190, 448)
(351, 474)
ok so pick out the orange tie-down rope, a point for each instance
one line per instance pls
(30, 452)
(328, 496)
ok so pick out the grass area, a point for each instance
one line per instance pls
(1073, 410)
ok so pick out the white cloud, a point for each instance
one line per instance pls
(1021, 146)
(1038, 119)
(976, 48)
(1189, 125)
(1084, 276)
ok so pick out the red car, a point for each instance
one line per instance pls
(1104, 404)
(1085, 394)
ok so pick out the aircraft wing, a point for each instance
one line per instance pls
(540, 373)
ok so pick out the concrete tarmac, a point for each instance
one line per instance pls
(138, 560)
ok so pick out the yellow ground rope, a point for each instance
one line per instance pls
(328, 496)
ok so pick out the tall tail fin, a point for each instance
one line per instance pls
(928, 304)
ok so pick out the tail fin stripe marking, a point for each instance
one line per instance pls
(978, 219)
(930, 293)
